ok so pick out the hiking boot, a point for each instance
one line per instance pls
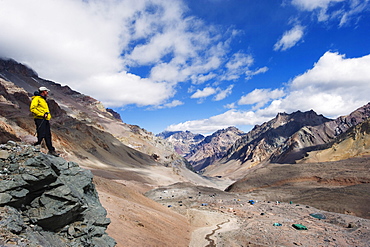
(37, 148)
(53, 153)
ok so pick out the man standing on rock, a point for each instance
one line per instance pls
(40, 109)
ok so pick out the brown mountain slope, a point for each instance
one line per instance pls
(139, 221)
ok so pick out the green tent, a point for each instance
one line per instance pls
(299, 227)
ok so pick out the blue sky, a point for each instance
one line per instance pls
(198, 65)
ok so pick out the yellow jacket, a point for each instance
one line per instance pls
(39, 107)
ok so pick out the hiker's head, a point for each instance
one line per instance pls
(43, 91)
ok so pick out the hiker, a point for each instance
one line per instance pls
(40, 109)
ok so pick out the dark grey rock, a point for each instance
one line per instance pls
(12, 220)
(5, 198)
(49, 201)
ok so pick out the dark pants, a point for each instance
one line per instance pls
(43, 132)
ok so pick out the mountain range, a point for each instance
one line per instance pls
(288, 138)
(276, 160)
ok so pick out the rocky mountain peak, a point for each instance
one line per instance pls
(305, 118)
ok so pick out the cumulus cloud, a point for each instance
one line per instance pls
(290, 38)
(199, 79)
(260, 97)
(208, 91)
(93, 45)
(125, 88)
(334, 87)
(203, 93)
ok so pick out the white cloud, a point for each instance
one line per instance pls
(355, 8)
(92, 45)
(238, 65)
(250, 73)
(310, 5)
(222, 94)
(260, 97)
(290, 38)
(62, 40)
(230, 106)
(207, 91)
(199, 79)
(171, 104)
(334, 87)
(125, 88)
(343, 10)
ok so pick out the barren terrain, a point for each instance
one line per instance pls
(184, 214)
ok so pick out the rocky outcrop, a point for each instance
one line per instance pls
(213, 147)
(115, 114)
(48, 201)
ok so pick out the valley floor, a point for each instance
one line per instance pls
(186, 215)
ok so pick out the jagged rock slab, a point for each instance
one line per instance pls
(48, 201)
